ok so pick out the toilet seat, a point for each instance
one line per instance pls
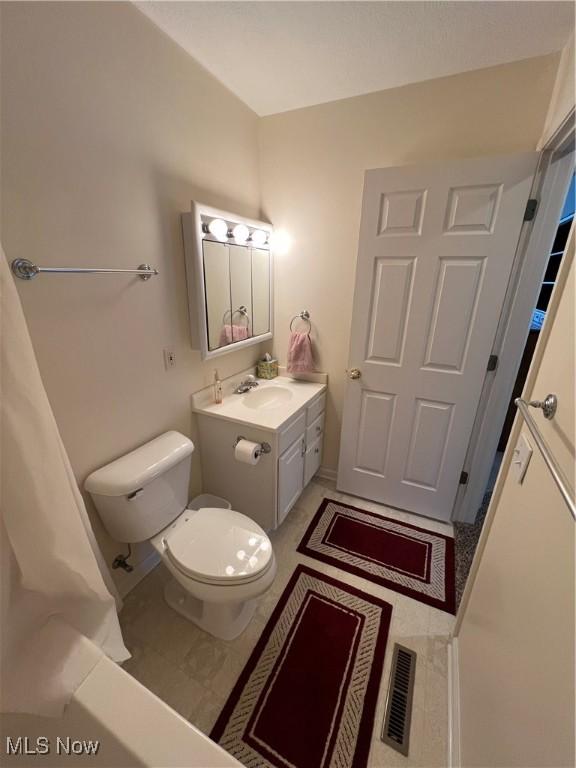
(218, 546)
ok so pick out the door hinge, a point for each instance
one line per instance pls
(531, 207)
(463, 478)
(492, 363)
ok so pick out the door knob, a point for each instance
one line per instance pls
(354, 373)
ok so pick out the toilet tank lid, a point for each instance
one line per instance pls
(139, 467)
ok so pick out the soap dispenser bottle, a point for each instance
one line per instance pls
(217, 388)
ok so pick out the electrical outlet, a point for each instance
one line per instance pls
(169, 357)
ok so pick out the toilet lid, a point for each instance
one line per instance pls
(218, 546)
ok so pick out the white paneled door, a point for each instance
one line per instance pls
(436, 249)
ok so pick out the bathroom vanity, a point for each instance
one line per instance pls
(287, 415)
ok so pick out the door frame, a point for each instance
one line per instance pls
(550, 186)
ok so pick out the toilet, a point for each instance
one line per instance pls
(220, 560)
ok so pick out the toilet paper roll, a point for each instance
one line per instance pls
(247, 452)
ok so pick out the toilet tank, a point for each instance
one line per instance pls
(140, 493)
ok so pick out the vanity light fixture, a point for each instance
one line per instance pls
(219, 229)
(258, 237)
(241, 233)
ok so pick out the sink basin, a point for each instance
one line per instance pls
(267, 398)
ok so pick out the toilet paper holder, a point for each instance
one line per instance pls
(264, 447)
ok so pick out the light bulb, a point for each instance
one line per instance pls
(241, 233)
(219, 229)
(258, 237)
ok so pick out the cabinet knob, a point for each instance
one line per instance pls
(354, 373)
(318, 430)
(316, 450)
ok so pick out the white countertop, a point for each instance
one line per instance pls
(272, 415)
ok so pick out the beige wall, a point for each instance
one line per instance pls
(516, 639)
(563, 94)
(108, 131)
(313, 161)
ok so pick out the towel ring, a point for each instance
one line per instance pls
(304, 315)
(241, 310)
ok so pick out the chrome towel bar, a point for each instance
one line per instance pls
(26, 270)
(556, 471)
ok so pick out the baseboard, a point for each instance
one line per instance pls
(454, 760)
(327, 474)
(125, 582)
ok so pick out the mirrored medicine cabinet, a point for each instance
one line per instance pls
(229, 277)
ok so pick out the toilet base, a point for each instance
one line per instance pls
(223, 620)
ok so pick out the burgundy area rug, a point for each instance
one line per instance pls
(307, 696)
(410, 560)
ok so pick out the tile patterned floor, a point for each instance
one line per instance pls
(194, 672)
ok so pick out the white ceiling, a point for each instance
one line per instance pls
(278, 56)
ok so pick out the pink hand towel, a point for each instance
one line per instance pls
(300, 359)
(240, 332)
(231, 333)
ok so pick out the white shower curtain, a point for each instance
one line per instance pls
(58, 617)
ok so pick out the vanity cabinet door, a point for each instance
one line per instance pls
(316, 429)
(290, 478)
(312, 459)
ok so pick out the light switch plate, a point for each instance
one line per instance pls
(521, 458)
(169, 357)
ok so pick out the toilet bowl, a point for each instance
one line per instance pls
(221, 561)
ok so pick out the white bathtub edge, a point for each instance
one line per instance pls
(145, 725)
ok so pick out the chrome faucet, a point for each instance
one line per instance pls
(246, 385)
